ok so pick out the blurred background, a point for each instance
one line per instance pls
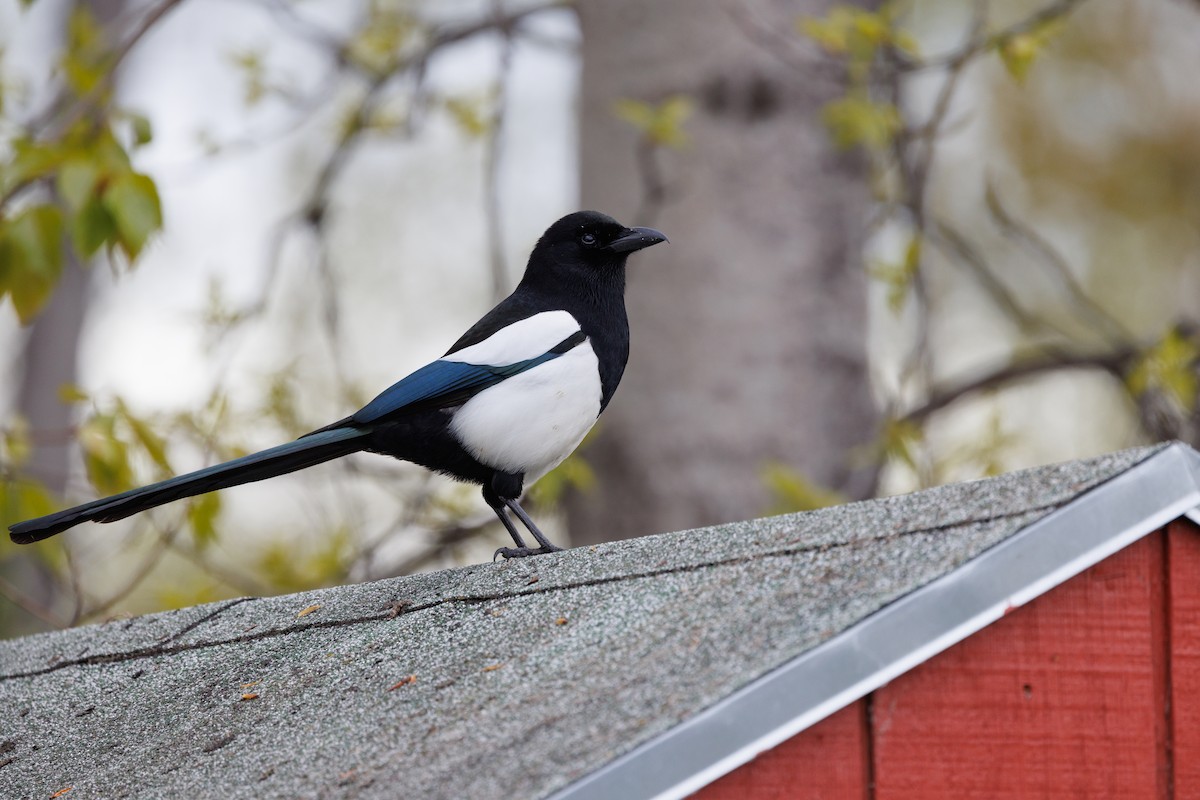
(911, 243)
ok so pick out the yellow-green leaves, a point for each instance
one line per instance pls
(110, 440)
(20, 498)
(105, 455)
(70, 186)
(857, 121)
(202, 515)
(292, 566)
(574, 473)
(471, 115)
(899, 277)
(132, 200)
(795, 492)
(1170, 367)
(661, 124)
(1018, 51)
(254, 75)
(900, 440)
(857, 32)
(101, 202)
(857, 36)
(31, 258)
(383, 39)
(108, 205)
(86, 59)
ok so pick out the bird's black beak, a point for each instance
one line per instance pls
(635, 239)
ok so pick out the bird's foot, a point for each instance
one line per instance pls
(523, 552)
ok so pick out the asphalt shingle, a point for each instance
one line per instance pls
(497, 680)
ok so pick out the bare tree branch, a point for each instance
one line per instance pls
(1115, 363)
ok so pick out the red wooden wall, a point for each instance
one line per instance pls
(1092, 690)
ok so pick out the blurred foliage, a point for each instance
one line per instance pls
(72, 184)
(1109, 307)
(792, 491)
(71, 194)
(1018, 50)
(898, 277)
(860, 39)
(661, 124)
(859, 35)
(1170, 366)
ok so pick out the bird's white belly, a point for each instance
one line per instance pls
(532, 421)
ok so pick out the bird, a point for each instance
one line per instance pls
(508, 402)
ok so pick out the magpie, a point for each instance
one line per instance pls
(511, 399)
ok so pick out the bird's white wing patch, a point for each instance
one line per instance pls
(522, 340)
(532, 421)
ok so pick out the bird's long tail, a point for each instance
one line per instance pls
(305, 452)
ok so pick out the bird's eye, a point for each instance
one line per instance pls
(588, 239)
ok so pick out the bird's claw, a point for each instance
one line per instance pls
(523, 552)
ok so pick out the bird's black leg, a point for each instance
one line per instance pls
(546, 544)
(501, 495)
(499, 507)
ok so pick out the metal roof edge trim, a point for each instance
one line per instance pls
(905, 633)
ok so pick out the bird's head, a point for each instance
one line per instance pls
(587, 244)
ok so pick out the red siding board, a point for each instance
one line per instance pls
(1057, 699)
(1092, 690)
(1183, 632)
(827, 761)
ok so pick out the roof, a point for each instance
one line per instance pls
(639, 668)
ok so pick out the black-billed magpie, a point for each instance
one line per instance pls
(505, 405)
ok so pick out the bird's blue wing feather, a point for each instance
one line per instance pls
(441, 384)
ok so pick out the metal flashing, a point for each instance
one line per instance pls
(810, 687)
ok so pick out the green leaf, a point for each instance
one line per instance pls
(105, 457)
(1170, 367)
(17, 446)
(281, 405)
(899, 277)
(857, 32)
(29, 160)
(77, 181)
(386, 32)
(132, 199)
(31, 258)
(150, 441)
(22, 499)
(92, 227)
(573, 473)
(1019, 51)
(661, 124)
(70, 393)
(856, 120)
(202, 516)
(86, 57)
(469, 114)
(899, 440)
(143, 132)
(794, 492)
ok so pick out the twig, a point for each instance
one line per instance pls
(64, 111)
(956, 246)
(1110, 326)
(1115, 363)
(132, 582)
(30, 606)
(493, 161)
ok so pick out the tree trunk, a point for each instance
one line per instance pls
(749, 328)
(48, 360)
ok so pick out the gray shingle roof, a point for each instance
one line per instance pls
(504, 680)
